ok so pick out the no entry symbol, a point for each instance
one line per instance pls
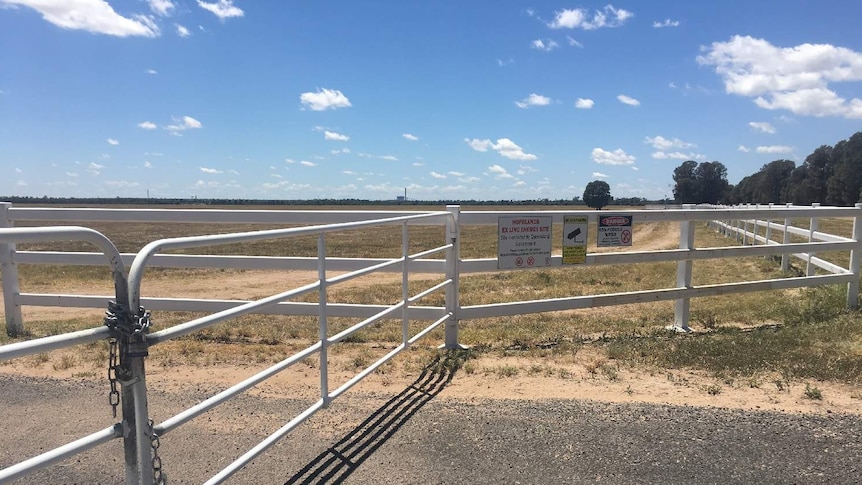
(626, 237)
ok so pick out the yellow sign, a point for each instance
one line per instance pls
(575, 239)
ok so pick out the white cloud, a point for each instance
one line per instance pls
(599, 175)
(70, 174)
(500, 172)
(147, 125)
(665, 23)
(182, 31)
(324, 99)
(795, 79)
(456, 174)
(662, 143)
(152, 72)
(390, 158)
(743, 149)
(94, 168)
(306, 163)
(628, 100)
(678, 156)
(161, 7)
(182, 124)
(95, 16)
(573, 42)
(774, 149)
(112, 141)
(333, 136)
(123, 184)
(147, 164)
(584, 103)
(546, 45)
(410, 137)
(579, 18)
(533, 100)
(504, 146)
(222, 9)
(418, 164)
(437, 175)
(210, 170)
(616, 157)
(762, 126)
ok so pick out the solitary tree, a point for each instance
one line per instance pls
(597, 194)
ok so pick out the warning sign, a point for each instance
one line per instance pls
(575, 239)
(523, 241)
(614, 230)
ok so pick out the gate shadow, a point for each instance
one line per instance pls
(339, 461)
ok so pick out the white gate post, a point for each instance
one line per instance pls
(785, 258)
(11, 287)
(812, 227)
(683, 274)
(855, 257)
(453, 272)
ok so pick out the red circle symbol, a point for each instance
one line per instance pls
(626, 237)
(519, 261)
(530, 261)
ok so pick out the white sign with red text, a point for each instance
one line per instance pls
(524, 242)
(614, 230)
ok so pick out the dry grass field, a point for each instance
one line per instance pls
(794, 349)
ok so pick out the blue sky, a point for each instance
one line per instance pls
(451, 100)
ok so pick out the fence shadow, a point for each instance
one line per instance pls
(340, 460)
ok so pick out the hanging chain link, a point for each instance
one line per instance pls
(159, 477)
(114, 394)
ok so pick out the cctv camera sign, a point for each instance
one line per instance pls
(575, 239)
(614, 230)
(524, 242)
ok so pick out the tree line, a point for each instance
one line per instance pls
(831, 175)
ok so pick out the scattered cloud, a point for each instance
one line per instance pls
(389, 158)
(533, 100)
(584, 103)
(95, 168)
(306, 163)
(504, 146)
(112, 141)
(628, 100)
(223, 9)
(151, 72)
(500, 172)
(161, 7)
(665, 23)
(147, 164)
(182, 31)
(795, 79)
(544, 45)
(437, 175)
(662, 143)
(333, 136)
(210, 170)
(580, 18)
(184, 123)
(147, 125)
(743, 149)
(599, 175)
(678, 156)
(762, 126)
(324, 99)
(782, 149)
(94, 16)
(616, 157)
(573, 42)
(502, 63)
(410, 137)
(456, 174)
(123, 184)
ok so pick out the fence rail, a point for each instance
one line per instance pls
(760, 230)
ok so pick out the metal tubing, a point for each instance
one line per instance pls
(453, 268)
(428, 329)
(204, 406)
(45, 344)
(785, 259)
(405, 280)
(359, 326)
(683, 276)
(368, 370)
(264, 445)
(812, 228)
(9, 270)
(142, 437)
(855, 258)
(81, 445)
(323, 325)
(427, 292)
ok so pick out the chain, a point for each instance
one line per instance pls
(114, 395)
(159, 477)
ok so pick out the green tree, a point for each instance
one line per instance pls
(700, 183)
(597, 194)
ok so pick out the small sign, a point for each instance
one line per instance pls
(575, 239)
(614, 230)
(524, 241)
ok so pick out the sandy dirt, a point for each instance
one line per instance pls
(585, 376)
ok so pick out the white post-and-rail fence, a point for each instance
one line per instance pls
(127, 321)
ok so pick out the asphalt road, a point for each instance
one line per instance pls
(416, 436)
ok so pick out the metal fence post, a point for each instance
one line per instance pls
(768, 234)
(683, 274)
(785, 258)
(453, 268)
(323, 324)
(9, 272)
(855, 257)
(812, 227)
